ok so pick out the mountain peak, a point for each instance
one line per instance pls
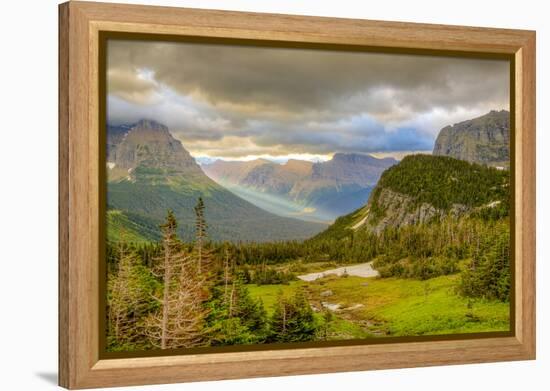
(149, 146)
(150, 124)
(355, 168)
(483, 140)
(361, 158)
(351, 156)
(297, 162)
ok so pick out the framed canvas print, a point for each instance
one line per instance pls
(247, 195)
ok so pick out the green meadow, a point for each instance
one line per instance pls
(377, 307)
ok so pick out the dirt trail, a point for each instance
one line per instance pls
(359, 270)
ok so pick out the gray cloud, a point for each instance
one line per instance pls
(312, 100)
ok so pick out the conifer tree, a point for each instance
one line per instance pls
(293, 319)
(180, 320)
(203, 256)
(129, 292)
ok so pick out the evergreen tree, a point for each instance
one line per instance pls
(180, 322)
(200, 235)
(488, 273)
(129, 293)
(293, 319)
(235, 317)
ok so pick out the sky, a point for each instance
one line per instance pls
(243, 102)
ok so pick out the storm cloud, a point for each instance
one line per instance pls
(279, 101)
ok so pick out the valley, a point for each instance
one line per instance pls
(349, 248)
(319, 191)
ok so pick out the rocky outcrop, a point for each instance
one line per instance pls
(483, 140)
(115, 134)
(149, 145)
(400, 210)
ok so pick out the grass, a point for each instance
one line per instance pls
(268, 293)
(405, 307)
(394, 306)
(119, 226)
(338, 328)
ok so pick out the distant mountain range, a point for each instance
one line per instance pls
(423, 188)
(149, 172)
(322, 191)
(484, 140)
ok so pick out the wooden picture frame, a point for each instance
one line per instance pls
(80, 27)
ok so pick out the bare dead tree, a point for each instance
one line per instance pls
(180, 320)
(126, 298)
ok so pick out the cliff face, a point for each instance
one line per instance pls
(400, 210)
(483, 140)
(150, 144)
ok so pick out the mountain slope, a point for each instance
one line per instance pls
(151, 172)
(323, 190)
(483, 140)
(423, 188)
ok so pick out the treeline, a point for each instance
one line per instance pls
(179, 295)
(476, 247)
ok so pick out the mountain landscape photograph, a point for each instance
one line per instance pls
(265, 195)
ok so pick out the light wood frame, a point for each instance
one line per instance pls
(79, 165)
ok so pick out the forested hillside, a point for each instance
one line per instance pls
(431, 216)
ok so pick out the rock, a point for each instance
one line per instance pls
(399, 211)
(326, 293)
(482, 140)
(149, 144)
(330, 306)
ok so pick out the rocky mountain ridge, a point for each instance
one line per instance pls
(483, 140)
